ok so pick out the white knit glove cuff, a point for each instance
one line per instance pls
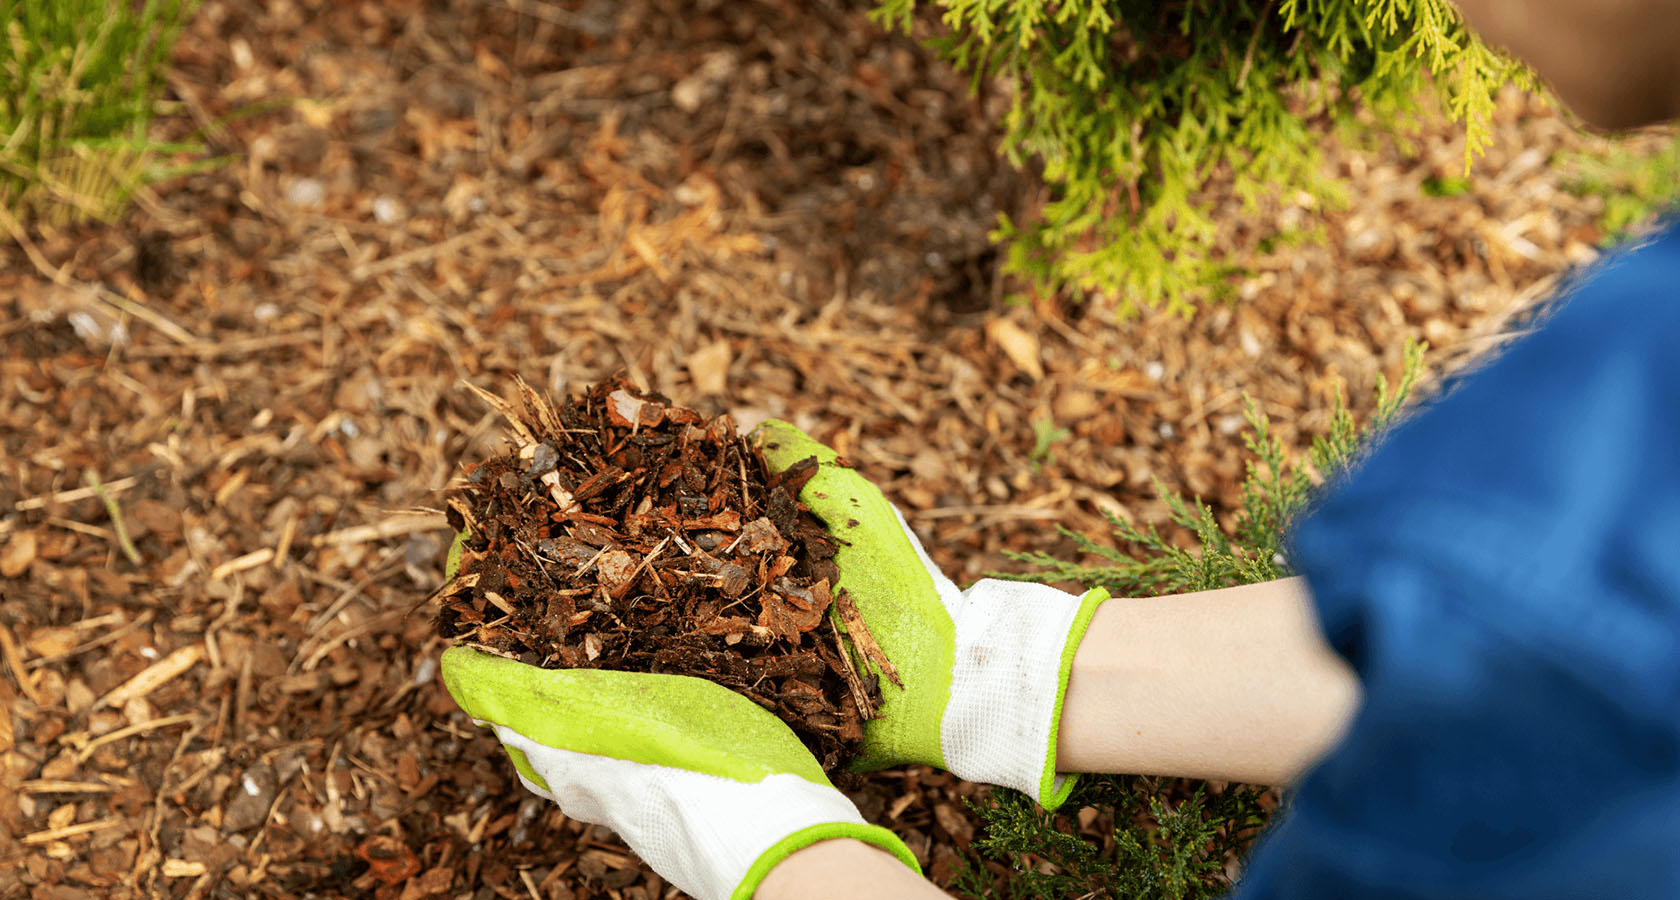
(1006, 686)
(1014, 642)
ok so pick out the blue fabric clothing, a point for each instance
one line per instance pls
(1504, 575)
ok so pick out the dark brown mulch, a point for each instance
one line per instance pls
(761, 208)
(624, 532)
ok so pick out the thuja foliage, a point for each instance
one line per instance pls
(1172, 839)
(81, 85)
(1638, 188)
(1130, 107)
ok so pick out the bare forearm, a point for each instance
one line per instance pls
(1231, 684)
(844, 869)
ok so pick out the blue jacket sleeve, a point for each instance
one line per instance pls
(1504, 575)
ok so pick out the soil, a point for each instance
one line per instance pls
(216, 680)
(624, 532)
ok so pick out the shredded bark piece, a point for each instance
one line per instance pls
(860, 636)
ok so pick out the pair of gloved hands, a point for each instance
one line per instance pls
(713, 790)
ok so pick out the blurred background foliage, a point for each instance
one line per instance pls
(1129, 108)
(83, 81)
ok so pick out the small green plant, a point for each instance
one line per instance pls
(83, 80)
(1452, 186)
(1129, 108)
(1173, 839)
(1637, 188)
(1045, 435)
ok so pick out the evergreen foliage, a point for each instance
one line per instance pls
(1173, 838)
(82, 80)
(1638, 189)
(1132, 106)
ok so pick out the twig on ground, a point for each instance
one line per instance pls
(86, 752)
(395, 526)
(60, 786)
(100, 641)
(55, 834)
(153, 676)
(14, 661)
(74, 494)
(115, 512)
(239, 564)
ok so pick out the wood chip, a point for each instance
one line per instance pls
(17, 553)
(58, 834)
(14, 661)
(396, 526)
(153, 676)
(858, 631)
(1021, 348)
(181, 868)
(708, 367)
(514, 419)
(60, 786)
(239, 564)
(74, 494)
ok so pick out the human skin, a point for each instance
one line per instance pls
(1613, 62)
(1233, 684)
(844, 869)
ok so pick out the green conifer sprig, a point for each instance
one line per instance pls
(1173, 839)
(1130, 107)
(1275, 490)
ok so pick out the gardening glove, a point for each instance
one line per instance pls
(709, 788)
(983, 671)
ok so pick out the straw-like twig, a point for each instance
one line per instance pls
(115, 512)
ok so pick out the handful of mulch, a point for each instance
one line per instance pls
(624, 532)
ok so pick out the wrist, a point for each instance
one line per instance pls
(842, 867)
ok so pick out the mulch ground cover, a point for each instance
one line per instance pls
(228, 423)
(623, 532)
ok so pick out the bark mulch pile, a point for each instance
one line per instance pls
(626, 533)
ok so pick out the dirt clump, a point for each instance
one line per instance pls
(624, 532)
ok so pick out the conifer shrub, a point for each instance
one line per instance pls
(1129, 107)
(82, 81)
(1172, 838)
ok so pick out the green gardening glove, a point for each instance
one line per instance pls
(983, 671)
(708, 787)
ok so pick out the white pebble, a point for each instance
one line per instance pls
(306, 192)
(426, 671)
(385, 210)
